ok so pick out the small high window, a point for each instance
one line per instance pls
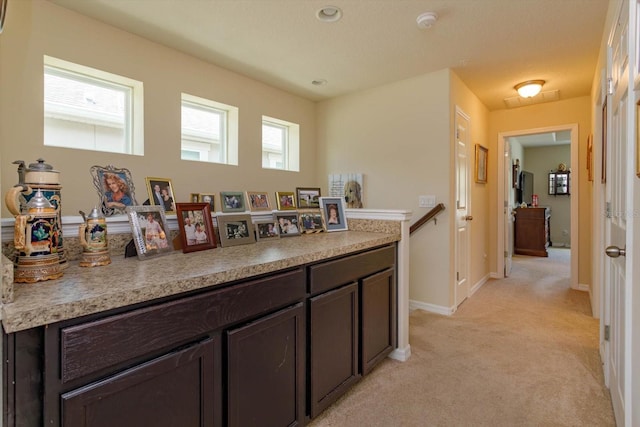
(90, 109)
(280, 144)
(209, 131)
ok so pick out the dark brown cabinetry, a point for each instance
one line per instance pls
(532, 231)
(378, 316)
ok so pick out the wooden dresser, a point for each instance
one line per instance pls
(532, 231)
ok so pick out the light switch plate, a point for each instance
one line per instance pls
(427, 201)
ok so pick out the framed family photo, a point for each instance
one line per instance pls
(160, 193)
(266, 229)
(149, 229)
(207, 198)
(311, 221)
(308, 198)
(288, 223)
(196, 227)
(285, 200)
(258, 201)
(115, 189)
(333, 216)
(232, 201)
(235, 230)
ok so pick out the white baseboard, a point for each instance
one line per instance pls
(479, 284)
(494, 275)
(582, 287)
(401, 354)
(432, 308)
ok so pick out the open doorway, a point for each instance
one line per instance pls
(513, 145)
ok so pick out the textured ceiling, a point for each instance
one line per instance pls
(490, 44)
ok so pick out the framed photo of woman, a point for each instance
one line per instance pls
(258, 201)
(333, 216)
(115, 189)
(288, 223)
(161, 193)
(149, 229)
(196, 227)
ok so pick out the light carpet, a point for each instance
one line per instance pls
(522, 351)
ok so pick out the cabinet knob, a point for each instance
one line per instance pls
(615, 252)
(468, 218)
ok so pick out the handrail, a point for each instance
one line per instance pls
(426, 218)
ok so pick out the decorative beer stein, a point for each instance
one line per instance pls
(38, 176)
(36, 239)
(93, 238)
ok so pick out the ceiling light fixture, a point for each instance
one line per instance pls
(319, 82)
(530, 88)
(426, 20)
(329, 14)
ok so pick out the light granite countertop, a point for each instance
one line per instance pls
(82, 291)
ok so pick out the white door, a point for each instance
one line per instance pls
(508, 208)
(616, 288)
(462, 206)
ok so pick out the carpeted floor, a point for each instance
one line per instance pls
(522, 351)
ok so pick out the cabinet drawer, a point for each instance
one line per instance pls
(95, 346)
(331, 274)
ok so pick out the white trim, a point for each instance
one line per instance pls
(476, 287)
(431, 308)
(582, 287)
(387, 214)
(401, 354)
(494, 275)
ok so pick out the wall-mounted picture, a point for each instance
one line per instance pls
(115, 189)
(285, 200)
(333, 216)
(196, 227)
(308, 198)
(311, 221)
(258, 201)
(235, 230)
(590, 158)
(232, 201)
(149, 229)
(288, 223)
(207, 198)
(266, 229)
(160, 193)
(481, 164)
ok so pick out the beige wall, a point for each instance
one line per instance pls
(575, 110)
(36, 28)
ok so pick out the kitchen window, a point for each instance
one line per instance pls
(280, 144)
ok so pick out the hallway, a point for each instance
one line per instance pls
(522, 351)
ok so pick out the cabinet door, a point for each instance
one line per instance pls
(176, 389)
(266, 375)
(378, 328)
(333, 345)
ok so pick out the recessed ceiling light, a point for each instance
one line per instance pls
(329, 14)
(319, 82)
(426, 20)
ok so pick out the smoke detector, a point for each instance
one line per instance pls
(426, 20)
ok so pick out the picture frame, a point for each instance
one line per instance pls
(208, 198)
(232, 201)
(285, 200)
(115, 189)
(258, 201)
(235, 230)
(160, 191)
(194, 197)
(149, 229)
(333, 213)
(590, 158)
(266, 229)
(196, 227)
(482, 154)
(308, 197)
(603, 177)
(311, 220)
(288, 223)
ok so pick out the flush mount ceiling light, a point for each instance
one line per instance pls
(426, 20)
(329, 14)
(530, 88)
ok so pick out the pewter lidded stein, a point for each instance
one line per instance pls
(93, 238)
(38, 176)
(36, 240)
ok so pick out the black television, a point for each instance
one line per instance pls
(525, 192)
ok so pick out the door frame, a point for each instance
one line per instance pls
(575, 191)
(468, 177)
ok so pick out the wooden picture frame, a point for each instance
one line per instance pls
(311, 220)
(308, 197)
(482, 153)
(333, 213)
(232, 201)
(285, 200)
(196, 227)
(194, 197)
(160, 191)
(590, 158)
(235, 230)
(288, 223)
(258, 201)
(149, 229)
(208, 198)
(266, 229)
(115, 189)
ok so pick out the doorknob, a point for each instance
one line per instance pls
(468, 218)
(615, 252)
